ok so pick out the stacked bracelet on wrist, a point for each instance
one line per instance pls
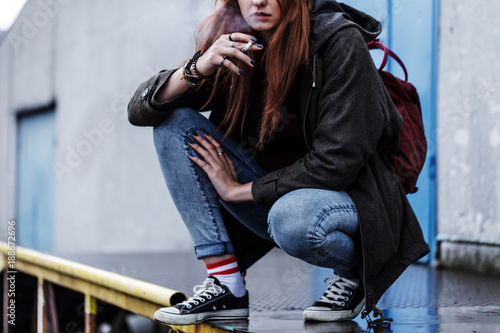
(197, 56)
(193, 79)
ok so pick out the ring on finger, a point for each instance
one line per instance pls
(220, 154)
(233, 44)
(222, 62)
(230, 37)
(249, 45)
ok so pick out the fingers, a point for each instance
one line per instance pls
(214, 161)
(209, 149)
(233, 46)
(206, 150)
(232, 169)
(204, 165)
(231, 66)
(209, 144)
(240, 37)
(224, 51)
(224, 158)
(244, 47)
(235, 53)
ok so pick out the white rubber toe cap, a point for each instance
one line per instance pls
(170, 310)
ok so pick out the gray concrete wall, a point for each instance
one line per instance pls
(469, 135)
(89, 56)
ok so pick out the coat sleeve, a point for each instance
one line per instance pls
(352, 111)
(145, 110)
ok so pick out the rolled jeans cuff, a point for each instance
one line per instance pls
(213, 249)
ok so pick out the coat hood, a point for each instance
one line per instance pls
(329, 16)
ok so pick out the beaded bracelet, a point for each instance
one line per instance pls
(193, 80)
(197, 56)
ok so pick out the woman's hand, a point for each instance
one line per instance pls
(224, 48)
(220, 169)
(210, 61)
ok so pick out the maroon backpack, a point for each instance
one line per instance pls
(410, 157)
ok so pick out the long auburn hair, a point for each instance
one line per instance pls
(287, 50)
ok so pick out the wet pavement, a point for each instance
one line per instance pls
(419, 320)
(423, 299)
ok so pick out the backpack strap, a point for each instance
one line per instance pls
(376, 44)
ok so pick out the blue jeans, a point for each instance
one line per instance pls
(317, 226)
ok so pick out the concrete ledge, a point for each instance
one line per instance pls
(469, 256)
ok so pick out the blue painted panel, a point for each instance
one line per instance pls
(411, 31)
(413, 41)
(35, 187)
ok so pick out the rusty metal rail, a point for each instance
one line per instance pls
(133, 295)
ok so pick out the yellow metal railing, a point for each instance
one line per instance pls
(136, 296)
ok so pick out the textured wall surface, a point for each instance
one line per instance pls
(469, 132)
(88, 57)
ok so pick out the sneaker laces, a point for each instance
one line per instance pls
(202, 292)
(335, 292)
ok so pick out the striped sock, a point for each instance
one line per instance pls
(228, 273)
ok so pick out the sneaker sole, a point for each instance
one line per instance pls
(190, 319)
(330, 315)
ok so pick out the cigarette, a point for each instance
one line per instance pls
(249, 45)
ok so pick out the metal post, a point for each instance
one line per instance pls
(40, 308)
(90, 314)
(51, 307)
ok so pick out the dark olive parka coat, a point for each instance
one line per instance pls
(346, 113)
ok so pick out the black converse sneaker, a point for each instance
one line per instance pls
(211, 300)
(342, 300)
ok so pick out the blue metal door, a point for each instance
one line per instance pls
(411, 31)
(35, 180)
